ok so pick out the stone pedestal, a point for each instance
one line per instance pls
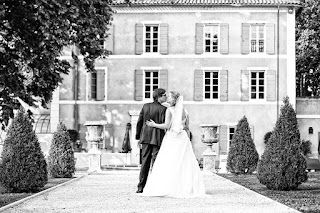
(209, 136)
(135, 152)
(94, 136)
(94, 158)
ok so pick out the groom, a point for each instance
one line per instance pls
(150, 138)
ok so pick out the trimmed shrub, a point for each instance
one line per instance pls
(74, 136)
(266, 137)
(23, 167)
(243, 156)
(282, 165)
(61, 162)
(306, 147)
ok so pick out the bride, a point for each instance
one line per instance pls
(176, 172)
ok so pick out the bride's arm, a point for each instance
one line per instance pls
(164, 125)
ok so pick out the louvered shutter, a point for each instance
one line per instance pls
(245, 38)
(139, 39)
(271, 85)
(164, 38)
(89, 75)
(164, 79)
(110, 39)
(198, 85)
(244, 85)
(224, 139)
(199, 38)
(100, 84)
(270, 39)
(224, 38)
(223, 85)
(138, 87)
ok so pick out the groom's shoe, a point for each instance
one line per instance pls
(139, 191)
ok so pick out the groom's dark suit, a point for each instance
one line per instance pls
(149, 137)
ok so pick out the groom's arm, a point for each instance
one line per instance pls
(139, 124)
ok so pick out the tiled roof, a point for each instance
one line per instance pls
(210, 2)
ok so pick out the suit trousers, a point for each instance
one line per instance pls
(149, 155)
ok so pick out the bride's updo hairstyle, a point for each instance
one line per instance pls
(175, 96)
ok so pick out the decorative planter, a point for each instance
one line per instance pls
(209, 136)
(93, 136)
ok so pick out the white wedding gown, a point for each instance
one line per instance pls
(176, 172)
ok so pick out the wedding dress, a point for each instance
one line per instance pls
(176, 172)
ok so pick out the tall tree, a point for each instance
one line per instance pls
(32, 35)
(282, 165)
(243, 156)
(308, 48)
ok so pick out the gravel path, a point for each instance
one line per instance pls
(114, 192)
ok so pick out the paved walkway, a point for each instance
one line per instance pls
(114, 192)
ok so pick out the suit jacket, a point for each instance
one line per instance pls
(146, 134)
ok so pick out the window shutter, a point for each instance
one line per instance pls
(89, 85)
(245, 38)
(199, 38)
(110, 39)
(164, 38)
(100, 84)
(198, 85)
(271, 85)
(223, 135)
(224, 38)
(139, 39)
(244, 85)
(270, 39)
(223, 85)
(138, 80)
(164, 79)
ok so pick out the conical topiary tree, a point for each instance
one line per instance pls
(282, 165)
(243, 156)
(61, 162)
(23, 167)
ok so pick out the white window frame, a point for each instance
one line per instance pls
(207, 24)
(265, 85)
(150, 69)
(229, 141)
(152, 23)
(211, 69)
(88, 84)
(256, 25)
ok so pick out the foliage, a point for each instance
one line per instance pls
(243, 156)
(282, 165)
(306, 147)
(304, 199)
(308, 46)
(266, 137)
(61, 162)
(32, 35)
(23, 167)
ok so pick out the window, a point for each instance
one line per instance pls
(230, 136)
(151, 38)
(257, 85)
(211, 41)
(101, 41)
(94, 85)
(211, 85)
(257, 38)
(151, 82)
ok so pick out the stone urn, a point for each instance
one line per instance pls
(94, 135)
(209, 136)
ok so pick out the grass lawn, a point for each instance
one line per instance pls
(7, 198)
(306, 198)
